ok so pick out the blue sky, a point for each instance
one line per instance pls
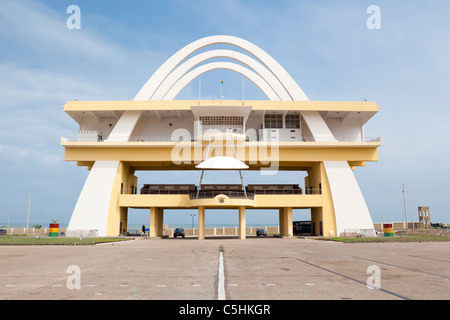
(324, 45)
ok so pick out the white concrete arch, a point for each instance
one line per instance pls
(148, 90)
(255, 65)
(252, 76)
(127, 122)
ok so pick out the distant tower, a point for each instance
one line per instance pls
(424, 217)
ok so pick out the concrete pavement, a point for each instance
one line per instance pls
(255, 269)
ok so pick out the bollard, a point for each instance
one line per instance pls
(53, 230)
(388, 230)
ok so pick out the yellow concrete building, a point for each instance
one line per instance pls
(117, 139)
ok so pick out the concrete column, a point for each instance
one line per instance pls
(153, 229)
(289, 222)
(201, 223)
(242, 226)
(286, 222)
(281, 221)
(123, 219)
(160, 222)
(317, 219)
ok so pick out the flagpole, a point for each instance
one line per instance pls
(221, 89)
(404, 205)
(29, 204)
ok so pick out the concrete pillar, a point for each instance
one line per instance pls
(242, 226)
(123, 220)
(289, 222)
(156, 222)
(160, 225)
(286, 227)
(281, 221)
(317, 219)
(201, 223)
(153, 229)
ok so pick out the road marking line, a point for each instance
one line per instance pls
(270, 285)
(350, 278)
(161, 285)
(124, 285)
(221, 282)
(57, 285)
(196, 285)
(10, 285)
(90, 285)
(309, 284)
(232, 285)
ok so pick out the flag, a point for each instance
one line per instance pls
(221, 81)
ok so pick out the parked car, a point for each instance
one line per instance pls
(261, 232)
(178, 232)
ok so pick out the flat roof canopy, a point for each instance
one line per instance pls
(79, 110)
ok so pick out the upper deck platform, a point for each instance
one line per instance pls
(258, 123)
(80, 110)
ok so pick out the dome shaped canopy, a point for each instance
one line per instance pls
(222, 163)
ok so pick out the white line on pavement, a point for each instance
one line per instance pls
(221, 285)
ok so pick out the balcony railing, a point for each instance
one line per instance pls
(231, 194)
(169, 139)
(213, 194)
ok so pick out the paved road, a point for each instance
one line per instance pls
(257, 268)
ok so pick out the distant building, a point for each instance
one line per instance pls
(117, 139)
